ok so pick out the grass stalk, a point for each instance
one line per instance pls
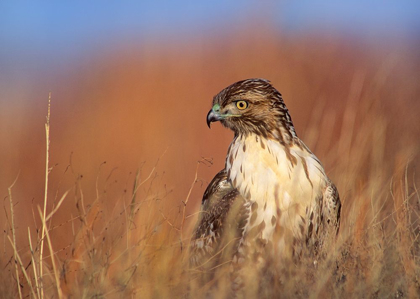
(13, 242)
(52, 255)
(44, 214)
(34, 263)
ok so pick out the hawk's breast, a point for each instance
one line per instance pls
(280, 182)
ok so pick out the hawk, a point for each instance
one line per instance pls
(273, 198)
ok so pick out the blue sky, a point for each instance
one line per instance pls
(65, 28)
(47, 21)
(73, 21)
(358, 17)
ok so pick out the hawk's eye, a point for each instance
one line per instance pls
(242, 105)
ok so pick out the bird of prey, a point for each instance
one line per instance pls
(273, 198)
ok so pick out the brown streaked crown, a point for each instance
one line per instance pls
(265, 115)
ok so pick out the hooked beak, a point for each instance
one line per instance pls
(212, 117)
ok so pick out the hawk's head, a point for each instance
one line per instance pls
(253, 106)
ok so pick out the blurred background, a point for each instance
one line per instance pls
(132, 83)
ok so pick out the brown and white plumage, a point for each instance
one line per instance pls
(222, 220)
(285, 200)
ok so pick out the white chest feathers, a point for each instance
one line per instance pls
(281, 182)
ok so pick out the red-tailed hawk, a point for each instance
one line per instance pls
(273, 199)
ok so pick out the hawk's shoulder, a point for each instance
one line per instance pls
(222, 219)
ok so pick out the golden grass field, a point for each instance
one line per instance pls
(130, 157)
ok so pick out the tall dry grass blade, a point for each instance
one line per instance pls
(52, 255)
(15, 253)
(34, 263)
(58, 206)
(186, 202)
(43, 215)
(18, 259)
(133, 198)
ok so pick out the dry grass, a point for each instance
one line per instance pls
(139, 247)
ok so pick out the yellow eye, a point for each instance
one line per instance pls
(242, 105)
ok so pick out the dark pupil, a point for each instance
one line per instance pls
(241, 104)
